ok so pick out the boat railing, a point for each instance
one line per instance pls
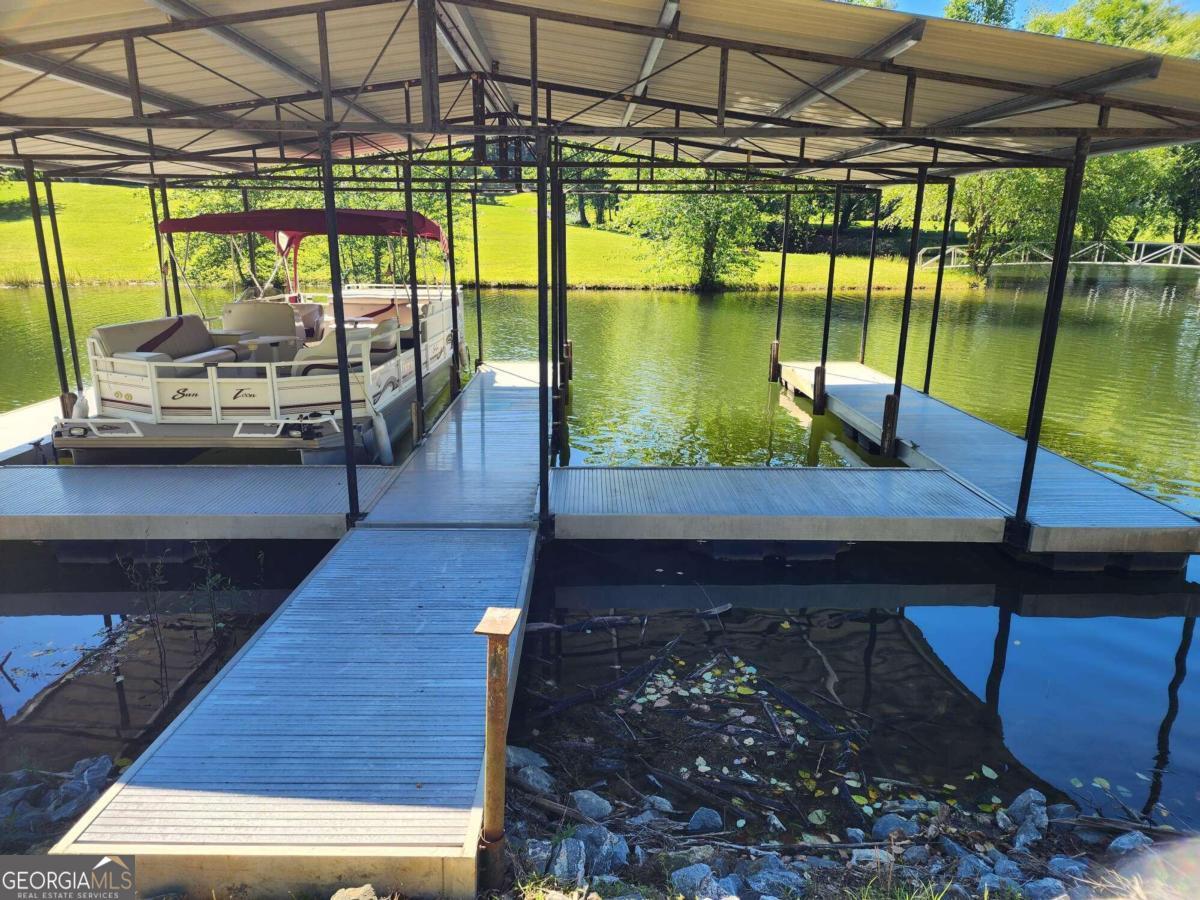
(249, 390)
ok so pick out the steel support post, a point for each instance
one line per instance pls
(415, 310)
(62, 283)
(891, 404)
(866, 318)
(162, 269)
(1072, 185)
(166, 214)
(819, 398)
(35, 212)
(478, 289)
(773, 371)
(937, 289)
(455, 333)
(543, 349)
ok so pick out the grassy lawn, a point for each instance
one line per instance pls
(106, 238)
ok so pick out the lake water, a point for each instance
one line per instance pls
(1047, 679)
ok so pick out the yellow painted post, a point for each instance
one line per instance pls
(498, 624)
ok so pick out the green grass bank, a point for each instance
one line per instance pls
(106, 236)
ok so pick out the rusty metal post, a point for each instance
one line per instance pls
(774, 371)
(498, 624)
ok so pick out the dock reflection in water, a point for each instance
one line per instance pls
(1075, 684)
(113, 646)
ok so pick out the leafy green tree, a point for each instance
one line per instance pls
(877, 4)
(982, 12)
(1177, 189)
(1158, 26)
(714, 234)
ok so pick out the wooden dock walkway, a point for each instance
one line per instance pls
(344, 743)
(1073, 509)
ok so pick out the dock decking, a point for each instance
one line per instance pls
(344, 743)
(1072, 508)
(774, 504)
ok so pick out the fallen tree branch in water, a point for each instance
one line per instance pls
(644, 671)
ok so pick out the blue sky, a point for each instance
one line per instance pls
(1024, 7)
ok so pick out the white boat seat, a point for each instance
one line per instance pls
(262, 317)
(321, 358)
(312, 319)
(178, 338)
(386, 340)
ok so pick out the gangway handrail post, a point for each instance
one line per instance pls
(1072, 185)
(937, 288)
(335, 278)
(891, 403)
(819, 398)
(774, 372)
(866, 319)
(414, 304)
(498, 625)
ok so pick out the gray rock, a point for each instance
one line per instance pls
(871, 856)
(952, 848)
(87, 776)
(886, 826)
(687, 880)
(1061, 811)
(997, 886)
(609, 856)
(537, 854)
(1043, 889)
(66, 809)
(856, 835)
(591, 804)
(10, 799)
(520, 757)
(28, 818)
(916, 855)
(972, 867)
(660, 804)
(1130, 842)
(818, 862)
(1004, 821)
(569, 861)
(17, 778)
(640, 856)
(778, 882)
(911, 807)
(1067, 867)
(535, 779)
(711, 888)
(730, 886)
(645, 818)
(1006, 868)
(705, 819)
(1031, 804)
(1092, 837)
(1027, 835)
(366, 892)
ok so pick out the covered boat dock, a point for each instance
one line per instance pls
(473, 96)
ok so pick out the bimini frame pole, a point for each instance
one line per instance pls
(158, 238)
(1072, 185)
(543, 348)
(819, 398)
(866, 320)
(455, 336)
(773, 373)
(35, 212)
(891, 403)
(937, 289)
(62, 283)
(166, 214)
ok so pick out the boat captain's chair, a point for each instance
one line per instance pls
(182, 339)
(261, 318)
(321, 358)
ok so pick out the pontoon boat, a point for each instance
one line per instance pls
(264, 374)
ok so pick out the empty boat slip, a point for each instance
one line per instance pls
(1072, 509)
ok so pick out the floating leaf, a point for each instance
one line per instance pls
(743, 690)
(988, 772)
(1101, 783)
(860, 799)
(818, 817)
(1075, 782)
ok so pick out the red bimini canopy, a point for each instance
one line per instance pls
(287, 227)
